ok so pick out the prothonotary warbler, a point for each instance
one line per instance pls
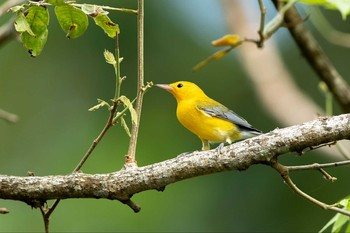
(207, 118)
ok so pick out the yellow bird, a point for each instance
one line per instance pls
(211, 121)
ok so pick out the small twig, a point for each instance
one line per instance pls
(277, 21)
(317, 166)
(108, 125)
(130, 157)
(10, 117)
(132, 205)
(284, 172)
(318, 146)
(327, 176)
(262, 24)
(215, 56)
(4, 211)
(124, 10)
(46, 218)
(264, 33)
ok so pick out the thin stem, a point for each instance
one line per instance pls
(284, 172)
(262, 23)
(108, 125)
(130, 158)
(118, 81)
(277, 21)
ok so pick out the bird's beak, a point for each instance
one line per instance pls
(165, 87)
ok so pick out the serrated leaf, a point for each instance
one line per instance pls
(131, 109)
(22, 25)
(125, 126)
(72, 20)
(100, 104)
(110, 59)
(103, 21)
(37, 18)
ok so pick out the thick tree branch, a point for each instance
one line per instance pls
(123, 184)
(317, 58)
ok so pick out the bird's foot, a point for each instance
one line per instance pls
(219, 148)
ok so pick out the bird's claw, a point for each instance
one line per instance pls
(219, 148)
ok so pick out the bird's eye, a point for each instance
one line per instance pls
(180, 85)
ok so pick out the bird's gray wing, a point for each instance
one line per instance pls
(226, 114)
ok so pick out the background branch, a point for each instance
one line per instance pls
(317, 59)
(294, 106)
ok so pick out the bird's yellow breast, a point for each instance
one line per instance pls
(203, 125)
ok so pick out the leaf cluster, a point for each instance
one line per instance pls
(32, 20)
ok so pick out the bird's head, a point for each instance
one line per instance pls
(183, 90)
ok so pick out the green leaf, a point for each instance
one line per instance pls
(55, 2)
(16, 8)
(34, 44)
(347, 230)
(131, 109)
(339, 220)
(125, 126)
(343, 6)
(34, 40)
(38, 19)
(72, 20)
(339, 223)
(22, 25)
(329, 223)
(100, 104)
(110, 28)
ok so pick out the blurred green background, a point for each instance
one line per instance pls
(52, 93)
